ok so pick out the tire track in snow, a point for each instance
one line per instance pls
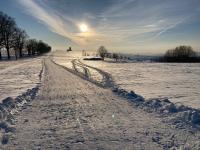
(106, 81)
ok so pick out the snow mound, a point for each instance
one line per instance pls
(190, 116)
(165, 107)
(9, 105)
(162, 106)
(129, 95)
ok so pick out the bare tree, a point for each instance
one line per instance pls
(12, 37)
(180, 54)
(7, 32)
(102, 51)
(19, 41)
(181, 51)
(31, 46)
(0, 53)
(1, 30)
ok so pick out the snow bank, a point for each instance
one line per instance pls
(176, 82)
(16, 77)
(181, 112)
(129, 95)
(162, 106)
(10, 105)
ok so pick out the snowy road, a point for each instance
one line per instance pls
(71, 113)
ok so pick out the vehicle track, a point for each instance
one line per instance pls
(106, 81)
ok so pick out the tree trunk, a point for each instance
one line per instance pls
(8, 52)
(29, 52)
(16, 54)
(33, 52)
(0, 55)
(20, 52)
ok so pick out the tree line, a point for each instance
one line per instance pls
(103, 53)
(16, 39)
(181, 54)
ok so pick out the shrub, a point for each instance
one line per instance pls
(115, 56)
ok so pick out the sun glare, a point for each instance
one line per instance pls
(83, 28)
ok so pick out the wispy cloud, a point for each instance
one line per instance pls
(173, 25)
(56, 22)
(126, 22)
(53, 21)
(133, 19)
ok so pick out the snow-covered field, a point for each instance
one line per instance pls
(77, 114)
(177, 82)
(71, 113)
(18, 76)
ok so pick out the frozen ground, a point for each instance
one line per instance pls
(18, 76)
(72, 113)
(177, 82)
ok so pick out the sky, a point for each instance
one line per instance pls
(126, 26)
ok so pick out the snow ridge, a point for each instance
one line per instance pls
(164, 107)
(182, 114)
(10, 106)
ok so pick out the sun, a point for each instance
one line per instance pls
(83, 27)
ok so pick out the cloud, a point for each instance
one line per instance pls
(119, 23)
(142, 20)
(165, 29)
(56, 22)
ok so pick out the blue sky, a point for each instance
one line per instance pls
(130, 26)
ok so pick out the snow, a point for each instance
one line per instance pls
(162, 105)
(7, 64)
(72, 113)
(64, 58)
(18, 76)
(178, 82)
